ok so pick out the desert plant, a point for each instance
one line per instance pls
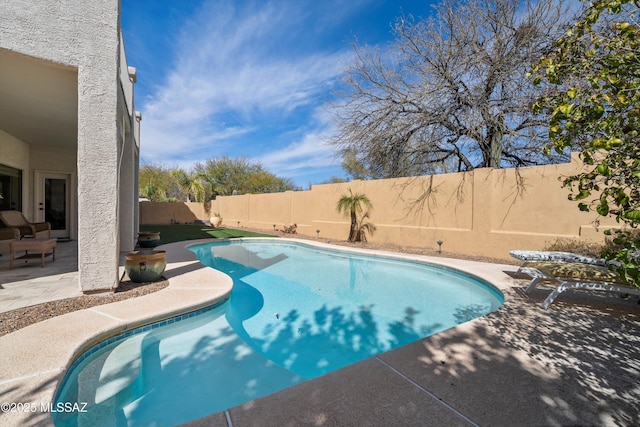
(363, 228)
(216, 219)
(590, 249)
(352, 205)
(292, 229)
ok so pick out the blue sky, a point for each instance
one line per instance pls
(248, 78)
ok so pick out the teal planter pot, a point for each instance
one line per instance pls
(148, 239)
(145, 266)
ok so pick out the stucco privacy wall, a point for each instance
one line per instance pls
(85, 36)
(484, 212)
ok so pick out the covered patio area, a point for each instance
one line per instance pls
(29, 284)
(69, 133)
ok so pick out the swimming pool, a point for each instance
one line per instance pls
(295, 312)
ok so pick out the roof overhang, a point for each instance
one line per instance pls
(38, 100)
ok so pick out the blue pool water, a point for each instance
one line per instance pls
(295, 312)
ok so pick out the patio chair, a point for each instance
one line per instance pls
(575, 275)
(554, 256)
(40, 230)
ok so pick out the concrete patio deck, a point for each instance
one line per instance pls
(29, 284)
(577, 363)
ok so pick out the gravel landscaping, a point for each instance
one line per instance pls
(13, 320)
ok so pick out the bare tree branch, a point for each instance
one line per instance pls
(451, 93)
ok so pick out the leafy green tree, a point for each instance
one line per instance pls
(266, 182)
(334, 180)
(226, 176)
(154, 182)
(354, 167)
(222, 176)
(190, 184)
(353, 205)
(593, 98)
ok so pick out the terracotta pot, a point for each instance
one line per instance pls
(145, 266)
(216, 221)
(148, 239)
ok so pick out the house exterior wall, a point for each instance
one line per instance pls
(485, 212)
(86, 36)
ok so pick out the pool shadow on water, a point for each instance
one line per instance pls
(217, 368)
(332, 337)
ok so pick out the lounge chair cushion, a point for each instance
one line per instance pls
(577, 271)
(533, 256)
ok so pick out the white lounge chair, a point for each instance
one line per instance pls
(575, 275)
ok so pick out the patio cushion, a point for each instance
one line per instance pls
(577, 271)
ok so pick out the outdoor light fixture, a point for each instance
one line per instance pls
(274, 228)
(439, 242)
(318, 233)
(238, 223)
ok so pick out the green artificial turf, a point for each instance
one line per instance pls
(179, 232)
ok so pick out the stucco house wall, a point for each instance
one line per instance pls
(84, 38)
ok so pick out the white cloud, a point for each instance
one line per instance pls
(237, 72)
(310, 152)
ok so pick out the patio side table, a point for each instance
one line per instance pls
(35, 245)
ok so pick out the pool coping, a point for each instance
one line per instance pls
(34, 360)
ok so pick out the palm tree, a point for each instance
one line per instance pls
(352, 205)
(362, 228)
(152, 192)
(190, 184)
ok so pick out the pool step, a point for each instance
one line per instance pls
(120, 369)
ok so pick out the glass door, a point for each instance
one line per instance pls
(53, 202)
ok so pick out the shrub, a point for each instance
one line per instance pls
(292, 229)
(590, 249)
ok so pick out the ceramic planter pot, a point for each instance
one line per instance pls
(145, 266)
(148, 239)
(216, 221)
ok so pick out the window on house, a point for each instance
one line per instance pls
(10, 188)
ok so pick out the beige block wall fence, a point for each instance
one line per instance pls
(484, 212)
